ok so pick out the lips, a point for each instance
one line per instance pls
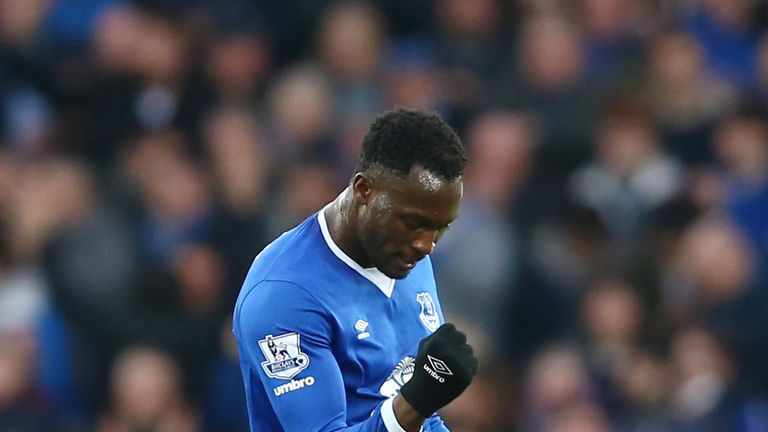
(408, 263)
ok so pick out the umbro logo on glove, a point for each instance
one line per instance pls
(445, 366)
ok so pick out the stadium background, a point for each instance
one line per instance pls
(610, 256)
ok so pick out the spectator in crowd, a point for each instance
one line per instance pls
(644, 394)
(239, 164)
(631, 174)
(612, 317)
(238, 60)
(686, 97)
(307, 187)
(351, 51)
(23, 404)
(146, 392)
(471, 37)
(549, 77)
(727, 290)
(741, 144)
(614, 33)
(705, 396)
(557, 382)
(501, 146)
(225, 409)
(301, 110)
(726, 31)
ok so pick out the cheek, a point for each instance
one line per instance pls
(371, 235)
(382, 238)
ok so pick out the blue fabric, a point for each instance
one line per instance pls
(71, 22)
(329, 373)
(732, 53)
(747, 206)
(225, 403)
(55, 371)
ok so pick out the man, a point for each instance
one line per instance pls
(350, 300)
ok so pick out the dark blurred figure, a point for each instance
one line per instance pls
(413, 78)
(176, 204)
(655, 268)
(687, 99)
(166, 288)
(23, 292)
(612, 317)
(556, 382)
(240, 168)
(350, 50)
(726, 291)
(741, 144)
(300, 114)
(726, 30)
(290, 25)
(631, 174)
(549, 79)
(90, 277)
(239, 57)
(306, 187)
(762, 83)
(137, 72)
(482, 247)
(579, 417)
(614, 37)
(24, 407)
(705, 396)
(548, 294)
(470, 40)
(146, 394)
(643, 386)
(482, 408)
(224, 404)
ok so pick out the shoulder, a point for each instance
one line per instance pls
(291, 256)
(269, 297)
(280, 306)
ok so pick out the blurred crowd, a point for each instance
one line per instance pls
(609, 261)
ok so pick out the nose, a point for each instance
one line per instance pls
(424, 244)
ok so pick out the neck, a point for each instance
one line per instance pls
(342, 225)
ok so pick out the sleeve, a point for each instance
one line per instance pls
(434, 424)
(284, 336)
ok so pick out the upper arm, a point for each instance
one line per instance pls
(284, 337)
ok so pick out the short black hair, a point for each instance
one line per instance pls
(399, 139)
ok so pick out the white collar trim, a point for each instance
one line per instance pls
(384, 283)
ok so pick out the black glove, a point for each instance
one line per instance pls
(445, 365)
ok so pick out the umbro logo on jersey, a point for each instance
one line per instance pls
(294, 385)
(361, 327)
(436, 368)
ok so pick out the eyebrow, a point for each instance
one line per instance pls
(421, 220)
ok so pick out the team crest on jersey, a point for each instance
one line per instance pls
(284, 357)
(428, 314)
(400, 375)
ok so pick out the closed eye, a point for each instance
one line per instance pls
(414, 223)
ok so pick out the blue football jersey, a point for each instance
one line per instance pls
(326, 344)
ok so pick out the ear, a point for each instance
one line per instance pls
(362, 188)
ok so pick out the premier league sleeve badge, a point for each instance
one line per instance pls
(284, 359)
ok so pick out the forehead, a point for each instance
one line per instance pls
(424, 193)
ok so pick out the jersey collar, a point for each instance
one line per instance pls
(384, 283)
